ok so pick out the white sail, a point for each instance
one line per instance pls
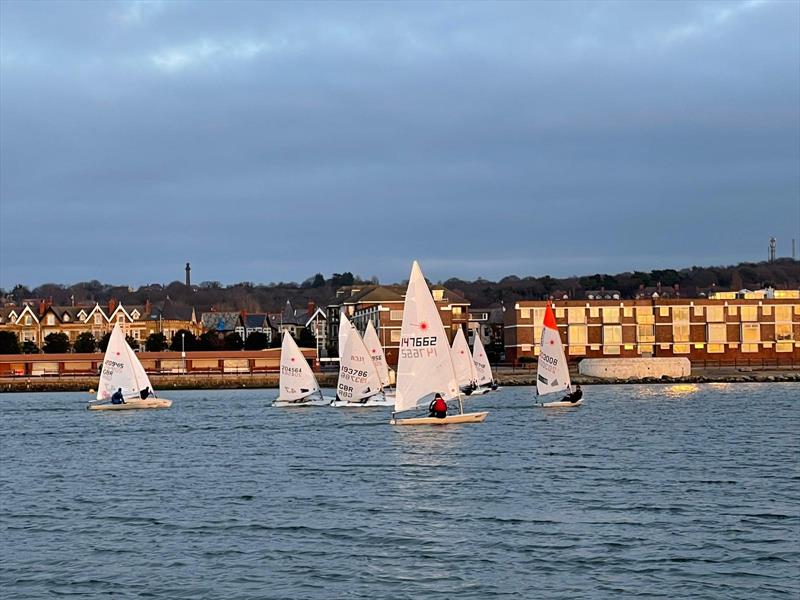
(121, 369)
(297, 379)
(358, 377)
(552, 374)
(462, 360)
(482, 366)
(345, 328)
(375, 349)
(425, 366)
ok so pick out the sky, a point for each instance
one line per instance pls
(268, 141)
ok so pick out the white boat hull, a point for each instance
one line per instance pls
(478, 417)
(134, 404)
(314, 400)
(480, 391)
(560, 404)
(376, 400)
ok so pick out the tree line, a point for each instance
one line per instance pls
(86, 343)
(251, 297)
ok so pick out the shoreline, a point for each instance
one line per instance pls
(163, 383)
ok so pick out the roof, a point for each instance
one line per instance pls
(254, 320)
(220, 321)
(172, 311)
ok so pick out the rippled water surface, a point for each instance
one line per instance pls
(658, 491)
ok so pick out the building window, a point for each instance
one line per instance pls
(783, 313)
(612, 334)
(438, 295)
(644, 314)
(610, 314)
(783, 332)
(395, 335)
(594, 312)
(524, 313)
(680, 332)
(680, 314)
(717, 333)
(645, 333)
(577, 335)
(576, 315)
(538, 316)
(66, 318)
(28, 320)
(751, 333)
(456, 311)
(537, 334)
(98, 319)
(396, 315)
(51, 320)
(681, 348)
(715, 348)
(120, 319)
(749, 313)
(715, 314)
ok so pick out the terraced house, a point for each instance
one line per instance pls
(34, 322)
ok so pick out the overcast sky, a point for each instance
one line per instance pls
(265, 141)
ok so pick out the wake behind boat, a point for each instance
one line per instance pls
(124, 384)
(552, 372)
(425, 366)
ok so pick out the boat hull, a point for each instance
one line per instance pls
(314, 400)
(378, 400)
(480, 391)
(478, 417)
(134, 404)
(560, 404)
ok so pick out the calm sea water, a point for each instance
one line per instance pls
(657, 491)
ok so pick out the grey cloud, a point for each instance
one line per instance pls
(268, 141)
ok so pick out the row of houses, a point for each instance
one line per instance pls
(757, 324)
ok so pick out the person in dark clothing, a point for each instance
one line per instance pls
(574, 396)
(438, 407)
(117, 397)
(146, 393)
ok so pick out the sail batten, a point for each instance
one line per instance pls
(425, 365)
(552, 373)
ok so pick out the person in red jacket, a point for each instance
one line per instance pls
(438, 407)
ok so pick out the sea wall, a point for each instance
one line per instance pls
(635, 368)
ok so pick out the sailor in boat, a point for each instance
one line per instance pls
(437, 407)
(574, 396)
(146, 393)
(117, 397)
(493, 385)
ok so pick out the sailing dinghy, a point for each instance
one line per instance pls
(483, 369)
(552, 373)
(359, 384)
(466, 375)
(122, 369)
(425, 366)
(298, 386)
(375, 349)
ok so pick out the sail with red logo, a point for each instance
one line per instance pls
(425, 365)
(552, 373)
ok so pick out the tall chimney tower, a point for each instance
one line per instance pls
(772, 244)
(188, 275)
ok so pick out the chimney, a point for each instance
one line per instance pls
(188, 275)
(312, 306)
(112, 304)
(42, 307)
(148, 307)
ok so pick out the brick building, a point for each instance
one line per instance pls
(696, 328)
